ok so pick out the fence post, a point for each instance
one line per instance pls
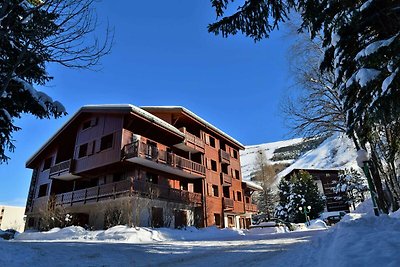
(98, 192)
(72, 197)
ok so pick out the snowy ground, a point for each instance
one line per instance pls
(361, 239)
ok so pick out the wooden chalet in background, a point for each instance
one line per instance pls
(325, 179)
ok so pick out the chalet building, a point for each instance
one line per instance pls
(152, 166)
(325, 180)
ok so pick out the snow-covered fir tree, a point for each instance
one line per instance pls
(33, 34)
(351, 186)
(361, 46)
(297, 192)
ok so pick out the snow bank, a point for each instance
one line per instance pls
(129, 235)
(359, 239)
(317, 224)
(367, 241)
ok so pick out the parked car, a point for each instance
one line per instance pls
(272, 222)
(333, 219)
(7, 234)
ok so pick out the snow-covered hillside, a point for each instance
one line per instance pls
(249, 155)
(336, 152)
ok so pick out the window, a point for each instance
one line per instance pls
(152, 178)
(31, 222)
(117, 177)
(47, 163)
(43, 190)
(83, 149)
(106, 142)
(224, 168)
(89, 123)
(213, 165)
(86, 125)
(235, 153)
(237, 174)
(239, 196)
(215, 190)
(212, 141)
(217, 219)
(157, 218)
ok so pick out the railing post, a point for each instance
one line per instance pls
(84, 202)
(72, 197)
(98, 193)
(114, 190)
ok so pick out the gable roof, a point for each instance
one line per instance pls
(122, 108)
(205, 123)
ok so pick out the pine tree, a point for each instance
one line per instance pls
(32, 35)
(361, 44)
(299, 191)
(352, 186)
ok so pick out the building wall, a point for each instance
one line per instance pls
(12, 218)
(101, 125)
(104, 125)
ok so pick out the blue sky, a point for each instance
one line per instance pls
(163, 55)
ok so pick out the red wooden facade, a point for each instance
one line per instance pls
(166, 154)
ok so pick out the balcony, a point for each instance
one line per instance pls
(191, 143)
(62, 171)
(126, 188)
(152, 157)
(251, 207)
(226, 180)
(228, 203)
(224, 157)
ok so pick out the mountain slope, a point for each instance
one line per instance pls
(336, 152)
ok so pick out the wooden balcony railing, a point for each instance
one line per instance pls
(251, 207)
(63, 166)
(163, 192)
(226, 179)
(139, 149)
(224, 156)
(194, 141)
(126, 188)
(228, 203)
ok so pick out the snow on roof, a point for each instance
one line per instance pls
(190, 113)
(123, 107)
(253, 185)
(138, 111)
(335, 153)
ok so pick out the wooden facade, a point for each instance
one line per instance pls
(325, 180)
(169, 158)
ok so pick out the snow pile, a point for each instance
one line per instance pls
(317, 224)
(359, 239)
(336, 152)
(124, 234)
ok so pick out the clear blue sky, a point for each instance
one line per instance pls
(163, 55)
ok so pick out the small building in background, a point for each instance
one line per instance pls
(325, 180)
(12, 217)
